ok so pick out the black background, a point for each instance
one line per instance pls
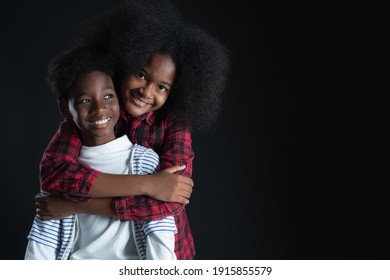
(296, 167)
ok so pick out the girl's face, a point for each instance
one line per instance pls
(148, 90)
(94, 107)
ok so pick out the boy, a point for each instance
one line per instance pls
(81, 80)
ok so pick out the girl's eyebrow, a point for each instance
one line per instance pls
(166, 83)
(143, 70)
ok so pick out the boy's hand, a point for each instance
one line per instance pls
(53, 207)
(172, 187)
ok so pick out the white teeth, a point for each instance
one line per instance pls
(141, 102)
(100, 121)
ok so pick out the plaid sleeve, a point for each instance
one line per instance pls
(60, 172)
(176, 149)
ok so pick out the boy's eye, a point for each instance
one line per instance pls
(109, 96)
(82, 101)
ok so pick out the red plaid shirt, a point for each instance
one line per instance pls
(61, 173)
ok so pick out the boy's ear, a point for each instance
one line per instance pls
(64, 109)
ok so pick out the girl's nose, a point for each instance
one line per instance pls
(148, 91)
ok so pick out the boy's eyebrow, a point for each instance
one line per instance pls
(78, 94)
(81, 93)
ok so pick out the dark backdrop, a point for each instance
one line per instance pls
(295, 168)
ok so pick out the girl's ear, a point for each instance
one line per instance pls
(64, 109)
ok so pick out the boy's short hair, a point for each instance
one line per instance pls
(68, 66)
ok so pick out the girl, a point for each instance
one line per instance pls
(171, 76)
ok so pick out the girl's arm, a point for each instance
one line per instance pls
(55, 207)
(176, 149)
(61, 173)
(159, 186)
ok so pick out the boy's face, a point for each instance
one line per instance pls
(93, 106)
(149, 89)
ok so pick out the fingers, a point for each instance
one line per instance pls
(42, 194)
(39, 198)
(184, 201)
(184, 195)
(174, 168)
(186, 180)
(39, 195)
(189, 182)
(45, 215)
(41, 206)
(41, 212)
(186, 191)
(46, 218)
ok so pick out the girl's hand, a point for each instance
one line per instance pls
(53, 207)
(171, 187)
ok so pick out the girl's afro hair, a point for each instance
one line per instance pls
(132, 31)
(136, 29)
(202, 71)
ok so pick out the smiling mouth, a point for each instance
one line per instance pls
(100, 122)
(139, 102)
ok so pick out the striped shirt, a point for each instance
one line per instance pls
(59, 234)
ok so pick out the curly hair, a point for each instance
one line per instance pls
(202, 70)
(68, 66)
(136, 29)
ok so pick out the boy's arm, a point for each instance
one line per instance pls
(177, 149)
(160, 238)
(48, 239)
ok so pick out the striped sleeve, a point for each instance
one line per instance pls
(56, 234)
(144, 160)
(167, 224)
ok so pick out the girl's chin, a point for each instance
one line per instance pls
(135, 111)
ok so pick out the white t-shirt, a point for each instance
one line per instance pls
(99, 237)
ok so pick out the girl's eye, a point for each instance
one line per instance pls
(141, 76)
(162, 88)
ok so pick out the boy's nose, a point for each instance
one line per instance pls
(99, 106)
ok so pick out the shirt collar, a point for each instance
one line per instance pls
(149, 117)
